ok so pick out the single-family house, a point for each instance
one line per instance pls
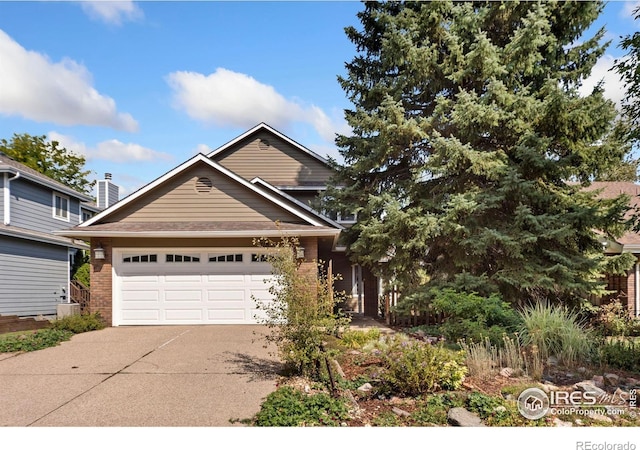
(35, 263)
(625, 287)
(180, 250)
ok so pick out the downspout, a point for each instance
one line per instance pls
(7, 196)
(637, 290)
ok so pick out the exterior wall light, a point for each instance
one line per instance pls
(300, 252)
(98, 252)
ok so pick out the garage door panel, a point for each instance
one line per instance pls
(141, 315)
(171, 295)
(140, 296)
(227, 315)
(218, 295)
(194, 315)
(174, 278)
(226, 278)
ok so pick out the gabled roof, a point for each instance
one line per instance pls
(310, 218)
(264, 127)
(8, 164)
(260, 182)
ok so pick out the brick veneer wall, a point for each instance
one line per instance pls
(631, 291)
(101, 280)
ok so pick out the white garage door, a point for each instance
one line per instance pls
(178, 286)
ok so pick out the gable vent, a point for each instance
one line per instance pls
(203, 185)
(264, 144)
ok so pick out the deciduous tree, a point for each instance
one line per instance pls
(48, 158)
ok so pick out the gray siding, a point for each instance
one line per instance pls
(31, 208)
(31, 276)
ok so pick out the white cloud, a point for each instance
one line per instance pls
(614, 88)
(202, 148)
(111, 150)
(112, 12)
(628, 10)
(236, 99)
(37, 89)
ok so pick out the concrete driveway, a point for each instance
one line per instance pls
(140, 376)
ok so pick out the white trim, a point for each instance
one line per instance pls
(264, 126)
(302, 188)
(6, 199)
(186, 165)
(67, 209)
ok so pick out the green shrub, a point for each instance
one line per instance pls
(289, 407)
(434, 409)
(619, 354)
(302, 313)
(79, 323)
(359, 338)
(613, 319)
(472, 317)
(414, 368)
(83, 274)
(554, 330)
(33, 340)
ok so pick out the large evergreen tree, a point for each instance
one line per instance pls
(470, 143)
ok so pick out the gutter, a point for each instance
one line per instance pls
(7, 195)
(195, 234)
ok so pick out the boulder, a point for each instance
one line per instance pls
(598, 381)
(612, 379)
(506, 372)
(400, 412)
(589, 386)
(365, 387)
(460, 417)
(559, 423)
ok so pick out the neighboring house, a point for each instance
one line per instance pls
(626, 287)
(180, 250)
(35, 263)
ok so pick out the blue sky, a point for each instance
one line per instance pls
(139, 87)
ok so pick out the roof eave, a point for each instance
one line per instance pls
(198, 234)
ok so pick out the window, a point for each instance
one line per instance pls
(341, 217)
(140, 259)
(182, 259)
(86, 215)
(259, 258)
(226, 258)
(60, 207)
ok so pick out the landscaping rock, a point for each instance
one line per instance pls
(581, 370)
(365, 387)
(632, 382)
(500, 409)
(601, 418)
(579, 422)
(620, 395)
(400, 412)
(460, 417)
(506, 372)
(598, 380)
(559, 423)
(612, 379)
(548, 386)
(589, 386)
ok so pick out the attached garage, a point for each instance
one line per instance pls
(176, 286)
